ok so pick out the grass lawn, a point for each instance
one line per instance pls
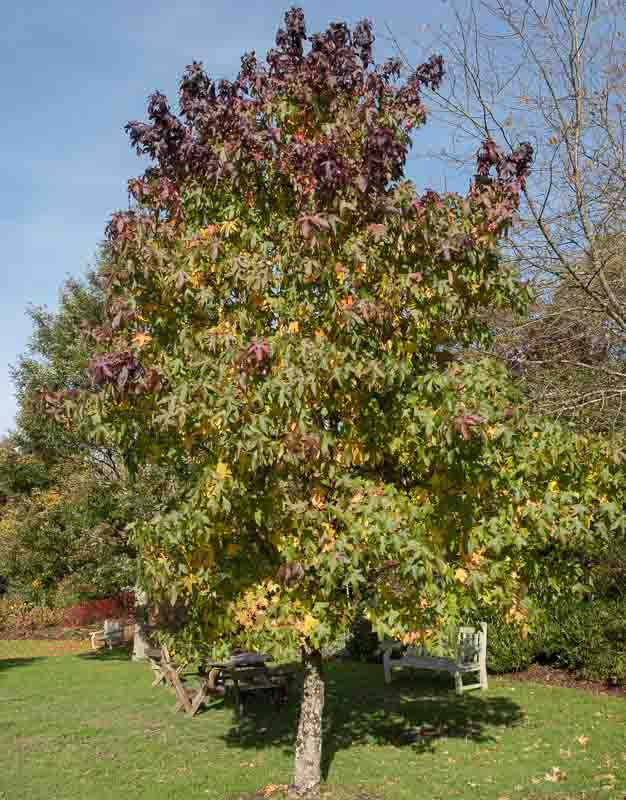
(75, 726)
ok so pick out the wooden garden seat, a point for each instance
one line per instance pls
(111, 634)
(254, 680)
(471, 657)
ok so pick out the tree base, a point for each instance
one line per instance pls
(308, 762)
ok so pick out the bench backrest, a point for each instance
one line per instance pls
(472, 645)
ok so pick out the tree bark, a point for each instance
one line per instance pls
(308, 761)
(140, 638)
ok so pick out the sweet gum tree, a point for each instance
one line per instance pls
(285, 323)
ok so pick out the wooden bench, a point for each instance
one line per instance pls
(166, 670)
(471, 657)
(242, 681)
(111, 634)
(247, 681)
(160, 664)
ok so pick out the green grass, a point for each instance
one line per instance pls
(78, 726)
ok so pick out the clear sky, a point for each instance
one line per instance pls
(73, 73)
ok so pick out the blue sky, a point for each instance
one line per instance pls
(72, 74)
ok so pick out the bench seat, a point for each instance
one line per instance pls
(471, 658)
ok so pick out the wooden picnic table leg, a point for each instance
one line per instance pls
(199, 698)
(239, 699)
(159, 678)
(183, 698)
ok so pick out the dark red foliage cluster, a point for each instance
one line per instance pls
(302, 445)
(90, 611)
(256, 358)
(121, 226)
(228, 130)
(114, 368)
(53, 403)
(290, 573)
(465, 424)
(511, 169)
(123, 371)
(157, 192)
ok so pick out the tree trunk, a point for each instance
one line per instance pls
(307, 774)
(140, 638)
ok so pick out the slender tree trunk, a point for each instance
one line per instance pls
(140, 639)
(308, 766)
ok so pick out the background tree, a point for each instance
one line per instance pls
(67, 541)
(65, 499)
(57, 360)
(283, 319)
(552, 73)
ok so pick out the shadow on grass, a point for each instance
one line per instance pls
(414, 711)
(9, 663)
(122, 653)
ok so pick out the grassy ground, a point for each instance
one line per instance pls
(77, 726)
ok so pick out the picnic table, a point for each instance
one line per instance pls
(245, 674)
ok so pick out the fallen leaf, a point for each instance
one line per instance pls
(272, 788)
(583, 740)
(556, 775)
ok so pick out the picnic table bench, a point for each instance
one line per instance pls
(471, 657)
(244, 675)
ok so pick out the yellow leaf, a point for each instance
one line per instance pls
(142, 338)
(317, 500)
(583, 740)
(229, 226)
(222, 470)
(308, 624)
(461, 575)
(294, 327)
(476, 558)
(243, 618)
(232, 548)
(188, 582)
(319, 333)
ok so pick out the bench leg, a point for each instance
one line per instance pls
(387, 667)
(483, 677)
